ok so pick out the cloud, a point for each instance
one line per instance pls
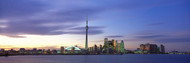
(154, 24)
(14, 9)
(81, 30)
(151, 36)
(42, 17)
(186, 39)
(114, 36)
(97, 41)
(34, 17)
(176, 37)
(163, 37)
(13, 36)
(48, 47)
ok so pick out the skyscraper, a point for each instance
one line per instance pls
(91, 49)
(151, 48)
(142, 47)
(105, 40)
(110, 43)
(116, 47)
(101, 48)
(114, 43)
(162, 48)
(122, 46)
(62, 49)
(86, 44)
(95, 48)
(106, 45)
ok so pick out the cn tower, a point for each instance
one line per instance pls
(86, 44)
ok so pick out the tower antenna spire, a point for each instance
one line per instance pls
(86, 20)
(86, 43)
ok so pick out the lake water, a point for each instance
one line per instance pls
(128, 58)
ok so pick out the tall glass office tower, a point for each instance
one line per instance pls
(122, 46)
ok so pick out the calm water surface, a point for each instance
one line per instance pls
(128, 58)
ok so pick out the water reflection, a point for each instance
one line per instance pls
(129, 58)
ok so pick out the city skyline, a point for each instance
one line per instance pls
(110, 47)
(51, 24)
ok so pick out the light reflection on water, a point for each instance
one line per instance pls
(128, 58)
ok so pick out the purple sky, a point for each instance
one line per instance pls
(134, 21)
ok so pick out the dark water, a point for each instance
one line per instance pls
(128, 58)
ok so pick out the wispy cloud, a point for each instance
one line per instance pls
(154, 24)
(46, 17)
(34, 17)
(150, 36)
(114, 36)
(163, 37)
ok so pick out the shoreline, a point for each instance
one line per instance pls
(84, 54)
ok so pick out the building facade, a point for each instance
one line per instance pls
(162, 48)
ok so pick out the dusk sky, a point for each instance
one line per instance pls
(54, 23)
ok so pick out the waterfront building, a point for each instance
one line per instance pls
(119, 47)
(62, 49)
(100, 47)
(113, 47)
(11, 51)
(105, 40)
(22, 49)
(106, 45)
(72, 49)
(90, 49)
(116, 47)
(110, 43)
(142, 47)
(151, 48)
(2, 50)
(122, 46)
(44, 51)
(39, 51)
(34, 51)
(114, 43)
(95, 48)
(54, 51)
(48, 51)
(139, 51)
(162, 48)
